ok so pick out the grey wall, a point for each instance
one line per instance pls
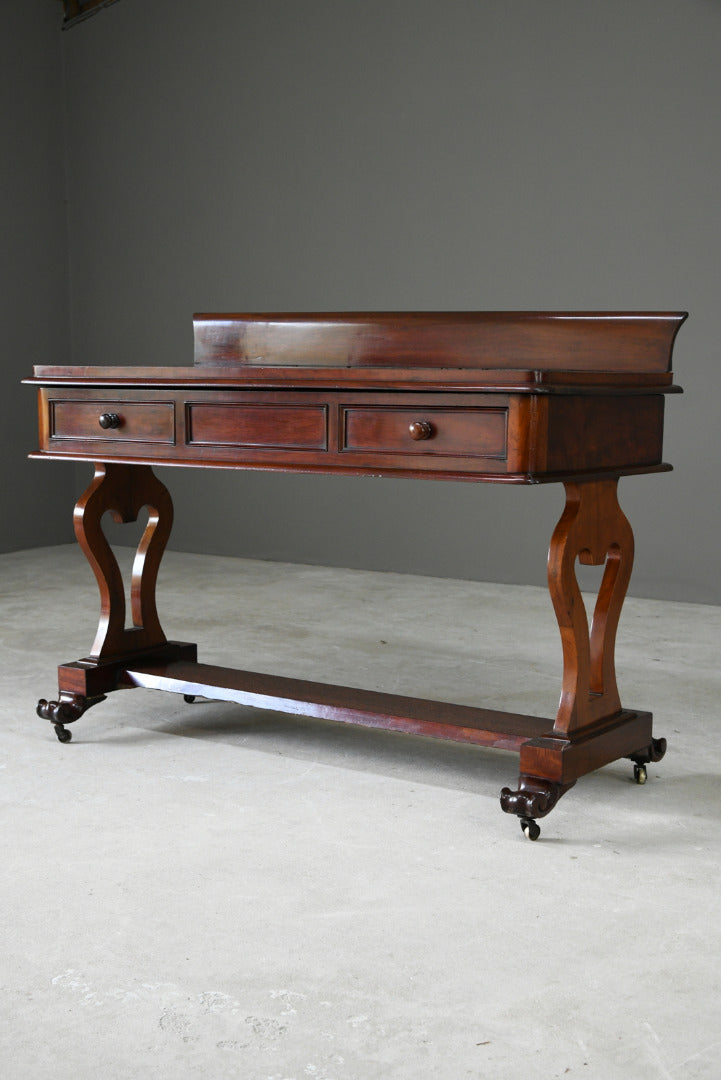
(36, 501)
(404, 154)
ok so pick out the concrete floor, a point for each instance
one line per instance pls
(210, 891)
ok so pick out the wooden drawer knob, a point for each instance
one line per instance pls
(109, 420)
(420, 429)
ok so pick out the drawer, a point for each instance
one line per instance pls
(259, 426)
(113, 421)
(446, 432)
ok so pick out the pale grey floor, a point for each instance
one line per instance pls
(207, 891)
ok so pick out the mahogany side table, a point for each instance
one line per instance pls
(493, 397)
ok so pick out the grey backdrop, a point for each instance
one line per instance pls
(399, 154)
(34, 296)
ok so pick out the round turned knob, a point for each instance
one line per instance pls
(420, 429)
(109, 420)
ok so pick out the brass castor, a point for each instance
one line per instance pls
(639, 774)
(531, 829)
(62, 733)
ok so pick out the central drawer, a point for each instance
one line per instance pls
(261, 425)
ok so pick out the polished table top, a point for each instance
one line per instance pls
(515, 397)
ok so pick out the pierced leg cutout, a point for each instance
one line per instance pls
(124, 491)
(124, 540)
(594, 529)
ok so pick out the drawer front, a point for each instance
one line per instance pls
(134, 422)
(381, 433)
(257, 426)
(458, 432)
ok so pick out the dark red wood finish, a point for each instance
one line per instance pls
(574, 341)
(497, 397)
(518, 437)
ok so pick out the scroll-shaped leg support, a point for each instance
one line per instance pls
(66, 710)
(122, 490)
(534, 798)
(591, 728)
(594, 529)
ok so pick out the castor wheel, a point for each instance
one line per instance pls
(531, 829)
(62, 733)
(190, 698)
(639, 774)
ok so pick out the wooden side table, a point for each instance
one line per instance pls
(499, 397)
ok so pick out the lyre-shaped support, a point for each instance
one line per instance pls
(124, 490)
(591, 728)
(594, 529)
